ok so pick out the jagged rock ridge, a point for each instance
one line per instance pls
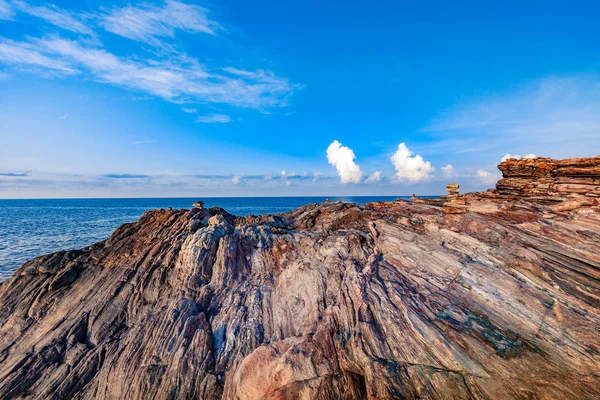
(387, 300)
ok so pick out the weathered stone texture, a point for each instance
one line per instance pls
(388, 300)
(549, 180)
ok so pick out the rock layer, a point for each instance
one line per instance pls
(330, 301)
(549, 180)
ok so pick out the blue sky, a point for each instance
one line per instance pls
(235, 98)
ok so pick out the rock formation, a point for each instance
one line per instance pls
(551, 181)
(455, 204)
(388, 300)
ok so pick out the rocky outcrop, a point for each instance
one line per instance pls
(454, 204)
(388, 300)
(548, 180)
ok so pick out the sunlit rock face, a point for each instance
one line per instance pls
(546, 179)
(388, 300)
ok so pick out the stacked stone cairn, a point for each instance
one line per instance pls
(454, 202)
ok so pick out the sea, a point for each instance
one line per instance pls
(31, 228)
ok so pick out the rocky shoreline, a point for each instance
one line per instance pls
(388, 300)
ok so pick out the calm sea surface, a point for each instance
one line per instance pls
(30, 228)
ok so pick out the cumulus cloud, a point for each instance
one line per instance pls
(410, 167)
(236, 180)
(342, 158)
(147, 23)
(509, 156)
(214, 119)
(448, 171)
(374, 177)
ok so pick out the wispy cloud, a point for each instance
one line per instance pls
(448, 171)
(13, 174)
(64, 116)
(25, 55)
(214, 119)
(546, 112)
(149, 141)
(147, 23)
(176, 80)
(487, 177)
(126, 176)
(5, 10)
(189, 110)
(342, 157)
(54, 15)
(170, 75)
(374, 177)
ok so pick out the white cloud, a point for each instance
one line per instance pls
(374, 177)
(147, 23)
(285, 176)
(64, 116)
(409, 167)
(54, 15)
(189, 110)
(509, 156)
(214, 119)
(177, 79)
(448, 171)
(343, 158)
(236, 180)
(487, 177)
(5, 10)
(26, 56)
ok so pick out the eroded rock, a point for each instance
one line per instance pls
(388, 300)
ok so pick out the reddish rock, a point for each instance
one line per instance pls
(548, 180)
(384, 301)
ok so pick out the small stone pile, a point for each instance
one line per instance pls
(454, 202)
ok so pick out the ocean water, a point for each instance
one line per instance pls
(31, 228)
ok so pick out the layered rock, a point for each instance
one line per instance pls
(388, 300)
(455, 204)
(548, 180)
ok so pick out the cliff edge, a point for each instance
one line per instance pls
(387, 300)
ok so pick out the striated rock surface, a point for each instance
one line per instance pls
(330, 301)
(548, 180)
(454, 204)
